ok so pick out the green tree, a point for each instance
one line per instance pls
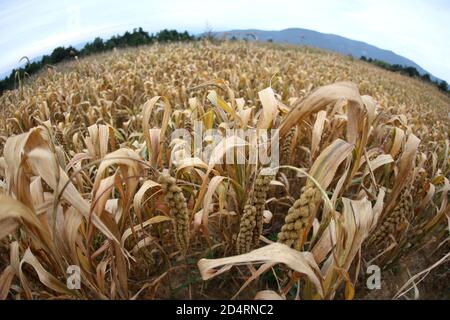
(443, 85)
(96, 46)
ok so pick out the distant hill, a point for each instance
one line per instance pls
(325, 41)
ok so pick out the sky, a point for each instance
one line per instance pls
(416, 29)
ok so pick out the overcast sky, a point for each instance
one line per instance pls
(416, 29)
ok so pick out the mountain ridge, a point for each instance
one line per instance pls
(327, 41)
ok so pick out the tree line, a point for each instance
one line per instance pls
(140, 37)
(129, 39)
(408, 71)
